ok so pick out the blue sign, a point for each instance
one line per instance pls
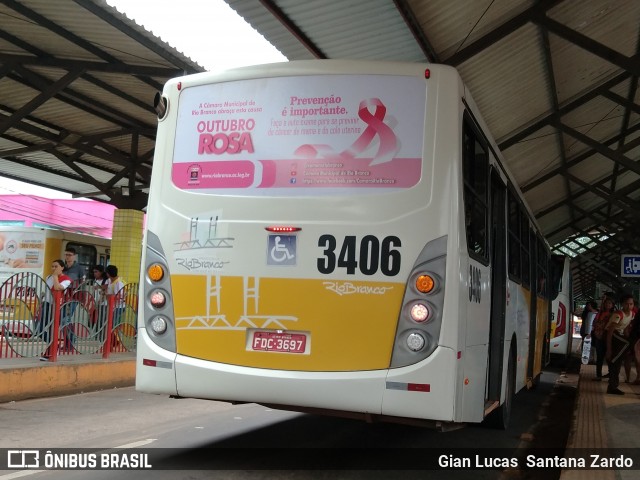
(631, 266)
(281, 250)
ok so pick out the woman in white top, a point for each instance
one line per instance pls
(99, 277)
(58, 280)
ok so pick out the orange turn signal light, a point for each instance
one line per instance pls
(425, 283)
(155, 272)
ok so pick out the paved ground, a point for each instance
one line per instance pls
(602, 424)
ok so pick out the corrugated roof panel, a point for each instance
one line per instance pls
(551, 193)
(452, 25)
(598, 120)
(588, 201)
(556, 219)
(508, 81)
(363, 29)
(543, 147)
(121, 111)
(273, 30)
(572, 77)
(72, 119)
(628, 179)
(81, 22)
(29, 31)
(17, 94)
(613, 23)
(594, 169)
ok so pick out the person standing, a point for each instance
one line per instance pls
(588, 315)
(633, 335)
(99, 277)
(598, 334)
(72, 268)
(115, 286)
(617, 344)
(56, 281)
(114, 282)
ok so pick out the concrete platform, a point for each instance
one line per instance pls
(23, 378)
(604, 422)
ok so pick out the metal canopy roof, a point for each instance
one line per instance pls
(77, 82)
(556, 82)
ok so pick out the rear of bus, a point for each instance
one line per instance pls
(561, 314)
(297, 238)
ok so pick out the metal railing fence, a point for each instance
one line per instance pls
(38, 322)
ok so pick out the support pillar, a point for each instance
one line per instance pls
(126, 244)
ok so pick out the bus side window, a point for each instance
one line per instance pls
(475, 169)
(525, 257)
(514, 233)
(543, 267)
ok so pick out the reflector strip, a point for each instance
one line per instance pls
(409, 387)
(156, 363)
(419, 387)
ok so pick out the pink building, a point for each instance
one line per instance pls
(83, 216)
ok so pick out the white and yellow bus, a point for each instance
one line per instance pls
(561, 307)
(338, 237)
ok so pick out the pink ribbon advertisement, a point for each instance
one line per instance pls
(301, 135)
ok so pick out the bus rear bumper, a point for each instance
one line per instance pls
(155, 367)
(340, 391)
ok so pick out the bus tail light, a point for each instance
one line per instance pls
(158, 325)
(420, 319)
(158, 316)
(419, 312)
(157, 299)
(561, 320)
(416, 341)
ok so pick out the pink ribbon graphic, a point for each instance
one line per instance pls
(375, 126)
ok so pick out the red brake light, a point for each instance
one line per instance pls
(282, 229)
(427, 73)
(561, 320)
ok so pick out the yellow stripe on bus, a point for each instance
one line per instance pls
(351, 325)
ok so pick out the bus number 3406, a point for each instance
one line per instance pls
(369, 256)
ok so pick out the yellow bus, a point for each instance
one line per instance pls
(339, 237)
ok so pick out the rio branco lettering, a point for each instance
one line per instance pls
(348, 288)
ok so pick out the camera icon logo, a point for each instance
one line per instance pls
(23, 459)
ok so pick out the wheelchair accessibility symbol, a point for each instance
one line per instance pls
(281, 250)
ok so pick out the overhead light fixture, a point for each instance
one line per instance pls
(125, 191)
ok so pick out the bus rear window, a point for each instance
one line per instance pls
(296, 136)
